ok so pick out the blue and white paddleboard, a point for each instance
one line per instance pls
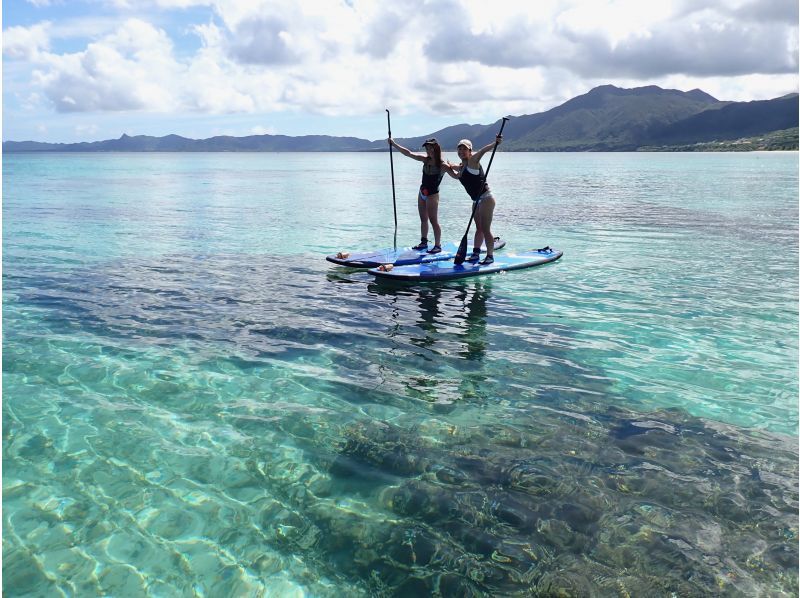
(447, 270)
(400, 257)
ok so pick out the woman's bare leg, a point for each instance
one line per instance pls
(433, 216)
(422, 208)
(484, 218)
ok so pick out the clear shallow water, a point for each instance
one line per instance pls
(196, 403)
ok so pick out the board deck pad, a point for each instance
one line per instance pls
(448, 270)
(403, 256)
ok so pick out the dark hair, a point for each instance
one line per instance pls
(437, 153)
(437, 150)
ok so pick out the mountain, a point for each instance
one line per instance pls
(282, 143)
(175, 143)
(784, 140)
(607, 118)
(734, 121)
(610, 118)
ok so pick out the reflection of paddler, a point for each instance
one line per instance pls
(429, 310)
(476, 306)
(475, 320)
(469, 302)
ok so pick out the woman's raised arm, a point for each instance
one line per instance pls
(479, 154)
(406, 151)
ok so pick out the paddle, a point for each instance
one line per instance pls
(391, 165)
(461, 254)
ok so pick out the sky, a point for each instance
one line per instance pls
(88, 70)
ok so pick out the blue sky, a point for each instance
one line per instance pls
(87, 70)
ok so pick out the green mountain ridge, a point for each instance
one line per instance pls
(615, 121)
(607, 118)
(785, 140)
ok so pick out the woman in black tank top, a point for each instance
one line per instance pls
(428, 198)
(470, 174)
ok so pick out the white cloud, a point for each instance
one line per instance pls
(128, 69)
(701, 47)
(26, 43)
(453, 58)
(269, 32)
(617, 21)
(626, 38)
(743, 88)
(85, 28)
(210, 86)
(264, 40)
(181, 3)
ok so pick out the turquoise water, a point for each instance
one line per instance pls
(195, 403)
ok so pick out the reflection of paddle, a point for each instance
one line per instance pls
(462, 249)
(391, 165)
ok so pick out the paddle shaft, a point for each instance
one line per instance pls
(462, 248)
(391, 165)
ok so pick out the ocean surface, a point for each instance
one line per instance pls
(196, 403)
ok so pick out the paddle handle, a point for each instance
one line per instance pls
(486, 174)
(391, 166)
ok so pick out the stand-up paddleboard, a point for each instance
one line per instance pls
(447, 270)
(400, 257)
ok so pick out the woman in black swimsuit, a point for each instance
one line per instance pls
(470, 174)
(428, 197)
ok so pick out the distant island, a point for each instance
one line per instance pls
(607, 118)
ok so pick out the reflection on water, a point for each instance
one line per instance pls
(459, 306)
(232, 431)
(195, 405)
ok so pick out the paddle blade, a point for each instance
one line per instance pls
(461, 254)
